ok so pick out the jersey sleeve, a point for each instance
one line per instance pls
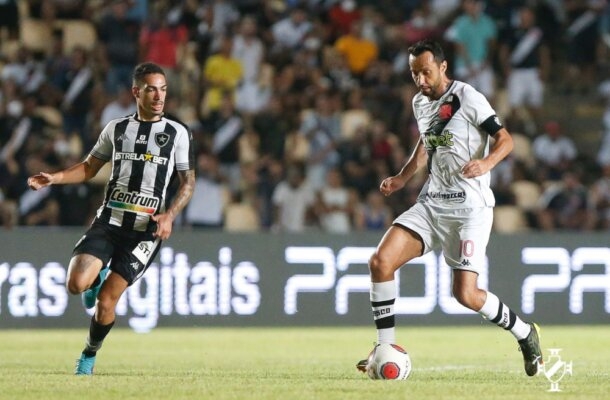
(104, 146)
(185, 153)
(479, 112)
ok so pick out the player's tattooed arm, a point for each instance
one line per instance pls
(185, 192)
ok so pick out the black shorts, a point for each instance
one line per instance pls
(130, 253)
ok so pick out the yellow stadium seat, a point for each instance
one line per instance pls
(509, 219)
(527, 194)
(78, 33)
(241, 217)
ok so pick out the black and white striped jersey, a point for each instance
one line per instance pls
(143, 155)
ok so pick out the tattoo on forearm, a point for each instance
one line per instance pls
(185, 192)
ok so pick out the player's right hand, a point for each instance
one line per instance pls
(40, 180)
(391, 184)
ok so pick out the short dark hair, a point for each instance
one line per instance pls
(432, 46)
(146, 68)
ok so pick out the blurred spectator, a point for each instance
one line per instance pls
(322, 129)
(603, 154)
(269, 176)
(358, 52)
(582, 38)
(121, 106)
(337, 73)
(423, 24)
(36, 207)
(50, 10)
(445, 10)
(335, 204)
(211, 190)
(356, 162)
(290, 32)
(253, 92)
(76, 105)
(14, 152)
(341, 16)
(553, 151)
(272, 125)
(24, 69)
(226, 126)
(221, 75)
(373, 214)
(9, 19)
(526, 61)
(474, 35)
(374, 25)
(599, 195)
(220, 15)
(57, 62)
(382, 141)
(118, 38)
(293, 200)
(162, 41)
(565, 205)
(504, 13)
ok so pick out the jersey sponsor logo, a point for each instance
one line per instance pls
(161, 139)
(444, 139)
(142, 140)
(148, 157)
(133, 201)
(452, 197)
(436, 135)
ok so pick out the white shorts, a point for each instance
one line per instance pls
(525, 87)
(462, 234)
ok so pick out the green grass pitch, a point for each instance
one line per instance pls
(476, 362)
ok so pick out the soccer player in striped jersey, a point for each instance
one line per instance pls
(454, 210)
(145, 149)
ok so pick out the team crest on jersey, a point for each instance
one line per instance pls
(161, 139)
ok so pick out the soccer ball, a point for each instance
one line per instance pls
(388, 362)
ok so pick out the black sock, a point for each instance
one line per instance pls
(97, 334)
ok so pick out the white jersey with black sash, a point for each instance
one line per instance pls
(144, 155)
(455, 129)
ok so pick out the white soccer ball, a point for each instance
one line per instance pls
(388, 362)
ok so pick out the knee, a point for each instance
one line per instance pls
(380, 267)
(77, 284)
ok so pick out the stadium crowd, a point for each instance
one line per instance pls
(300, 108)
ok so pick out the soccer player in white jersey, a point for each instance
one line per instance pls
(454, 210)
(145, 149)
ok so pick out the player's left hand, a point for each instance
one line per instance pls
(164, 225)
(475, 168)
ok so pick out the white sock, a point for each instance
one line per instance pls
(383, 296)
(499, 313)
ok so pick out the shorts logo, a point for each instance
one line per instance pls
(161, 139)
(452, 197)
